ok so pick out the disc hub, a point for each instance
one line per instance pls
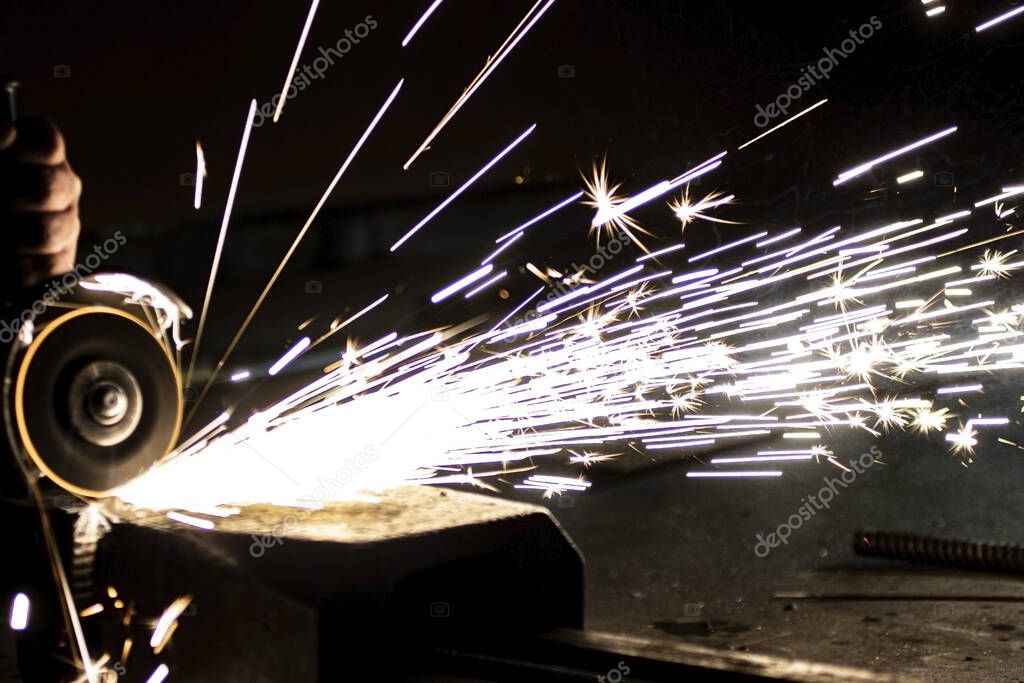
(105, 403)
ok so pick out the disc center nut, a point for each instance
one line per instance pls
(105, 403)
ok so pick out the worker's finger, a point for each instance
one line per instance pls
(37, 141)
(8, 133)
(39, 268)
(44, 233)
(40, 188)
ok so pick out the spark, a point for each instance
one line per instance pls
(601, 195)
(197, 522)
(200, 175)
(908, 177)
(487, 283)
(792, 118)
(416, 27)
(91, 610)
(998, 20)
(963, 440)
(927, 420)
(962, 389)
(590, 459)
(538, 218)
(867, 166)
(760, 458)
(159, 674)
(462, 283)
(290, 356)
(19, 612)
(744, 474)
(168, 622)
(778, 238)
(660, 252)
(295, 59)
(687, 211)
(240, 376)
(725, 247)
(465, 186)
(520, 31)
(935, 11)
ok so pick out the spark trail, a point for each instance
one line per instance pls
(653, 359)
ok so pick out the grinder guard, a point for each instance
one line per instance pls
(91, 389)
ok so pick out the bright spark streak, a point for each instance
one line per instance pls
(420, 22)
(295, 59)
(727, 475)
(791, 119)
(455, 195)
(508, 243)
(200, 175)
(197, 522)
(907, 177)
(536, 219)
(778, 238)
(19, 612)
(988, 421)
(760, 458)
(159, 674)
(867, 166)
(228, 209)
(240, 376)
(461, 284)
(935, 11)
(998, 20)
(287, 358)
(1012, 192)
(962, 389)
(167, 623)
(660, 252)
(520, 31)
(473, 292)
(730, 245)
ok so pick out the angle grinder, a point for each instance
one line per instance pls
(92, 394)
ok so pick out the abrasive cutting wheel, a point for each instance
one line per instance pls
(92, 392)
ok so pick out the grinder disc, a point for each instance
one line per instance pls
(97, 400)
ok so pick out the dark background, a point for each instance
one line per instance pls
(659, 86)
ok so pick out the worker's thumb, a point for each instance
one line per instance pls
(8, 134)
